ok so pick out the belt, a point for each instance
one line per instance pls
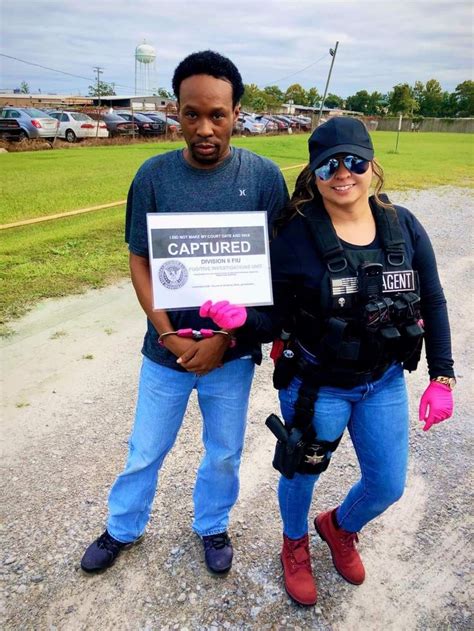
(338, 377)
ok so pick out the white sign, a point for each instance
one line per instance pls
(196, 257)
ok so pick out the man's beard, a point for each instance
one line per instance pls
(202, 159)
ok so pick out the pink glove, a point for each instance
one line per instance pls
(224, 314)
(436, 404)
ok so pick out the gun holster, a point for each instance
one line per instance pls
(290, 447)
(285, 369)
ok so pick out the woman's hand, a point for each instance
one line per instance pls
(436, 404)
(224, 314)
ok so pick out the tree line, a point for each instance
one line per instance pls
(420, 100)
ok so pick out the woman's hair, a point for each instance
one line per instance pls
(307, 191)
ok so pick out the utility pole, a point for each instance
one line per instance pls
(99, 71)
(332, 52)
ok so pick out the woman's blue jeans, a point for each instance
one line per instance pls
(163, 395)
(376, 414)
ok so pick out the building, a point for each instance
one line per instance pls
(17, 99)
(136, 102)
(306, 110)
(67, 101)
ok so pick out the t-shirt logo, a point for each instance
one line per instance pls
(242, 192)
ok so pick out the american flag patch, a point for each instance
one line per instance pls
(341, 286)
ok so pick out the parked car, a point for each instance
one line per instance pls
(75, 126)
(303, 122)
(118, 126)
(33, 122)
(296, 122)
(282, 125)
(10, 129)
(292, 124)
(270, 126)
(304, 119)
(173, 125)
(146, 125)
(238, 127)
(251, 126)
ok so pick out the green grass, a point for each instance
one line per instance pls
(69, 255)
(47, 182)
(425, 160)
(60, 258)
(41, 183)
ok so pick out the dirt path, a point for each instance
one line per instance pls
(69, 383)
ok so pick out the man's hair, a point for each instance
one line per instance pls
(210, 63)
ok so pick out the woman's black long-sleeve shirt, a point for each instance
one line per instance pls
(296, 263)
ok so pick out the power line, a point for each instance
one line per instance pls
(30, 63)
(69, 74)
(298, 71)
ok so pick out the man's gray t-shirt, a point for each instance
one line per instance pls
(167, 183)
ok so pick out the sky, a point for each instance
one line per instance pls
(381, 43)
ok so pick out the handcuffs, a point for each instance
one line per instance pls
(200, 334)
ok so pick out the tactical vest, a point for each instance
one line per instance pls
(366, 314)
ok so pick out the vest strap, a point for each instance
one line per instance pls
(390, 231)
(330, 247)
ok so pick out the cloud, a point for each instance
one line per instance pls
(381, 43)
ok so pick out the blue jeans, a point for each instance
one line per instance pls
(163, 395)
(376, 414)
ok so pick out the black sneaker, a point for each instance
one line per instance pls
(102, 553)
(218, 553)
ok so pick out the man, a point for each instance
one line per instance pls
(207, 176)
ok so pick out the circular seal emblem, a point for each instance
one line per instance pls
(173, 275)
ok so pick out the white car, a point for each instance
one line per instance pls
(250, 125)
(74, 126)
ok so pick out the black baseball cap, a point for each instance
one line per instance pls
(341, 134)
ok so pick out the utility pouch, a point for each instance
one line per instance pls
(285, 369)
(410, 363)
(290, 447)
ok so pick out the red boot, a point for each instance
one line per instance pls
(297, 573)
(344, 553)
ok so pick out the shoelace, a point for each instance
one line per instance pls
(217, 541)
(348, 541)
(106, 542)
(304, 562)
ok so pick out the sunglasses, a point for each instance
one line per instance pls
(352, 163)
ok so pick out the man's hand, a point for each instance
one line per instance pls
(179, 345)
(205, 356)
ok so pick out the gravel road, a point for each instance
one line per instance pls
(69, 385)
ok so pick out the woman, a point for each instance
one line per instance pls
(356, 289)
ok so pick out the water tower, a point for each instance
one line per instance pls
(145, 56)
